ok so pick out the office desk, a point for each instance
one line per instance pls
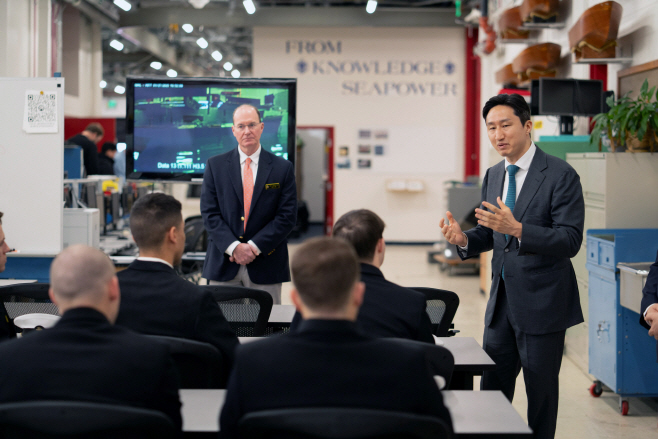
(470, 358)
(281, 315)
(476, 415)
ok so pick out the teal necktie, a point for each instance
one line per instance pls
(510, 199)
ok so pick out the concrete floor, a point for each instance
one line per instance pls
(580, 415)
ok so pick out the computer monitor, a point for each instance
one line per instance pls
(570, 97)
(174, 125)
(534, 97)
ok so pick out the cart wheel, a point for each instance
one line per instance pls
(624, 408)
(595, 390)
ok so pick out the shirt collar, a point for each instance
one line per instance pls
(147, 259)
(254, 157)
(525, 161)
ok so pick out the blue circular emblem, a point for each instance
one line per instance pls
(302, 66)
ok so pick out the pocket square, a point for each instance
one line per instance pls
(272, 186)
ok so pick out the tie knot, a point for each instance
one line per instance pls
(248, 162)
(511, 169)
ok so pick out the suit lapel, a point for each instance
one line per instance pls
(235, 175)
(531, 184)
(497, 181)
(264, 169)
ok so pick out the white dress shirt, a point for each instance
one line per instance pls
(524, 165)
(147, 259)
(254, 170)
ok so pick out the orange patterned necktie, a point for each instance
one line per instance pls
(248, 189)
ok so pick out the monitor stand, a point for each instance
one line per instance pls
(566, 125)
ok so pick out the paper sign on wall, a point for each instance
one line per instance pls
(40, 115)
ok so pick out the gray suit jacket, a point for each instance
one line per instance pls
(539, 278)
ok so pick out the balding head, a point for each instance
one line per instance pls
(82, 276)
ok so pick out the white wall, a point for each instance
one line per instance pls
(25, 38)
(420, 108)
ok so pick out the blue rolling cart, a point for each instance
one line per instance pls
(621, 354)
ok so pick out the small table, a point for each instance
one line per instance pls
(281, 315)
(476, 415)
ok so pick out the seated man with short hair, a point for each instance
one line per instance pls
(388, 310)
(84, 357)
(327, 362)
(6, 327)
(155, 300)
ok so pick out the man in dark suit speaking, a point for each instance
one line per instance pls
(533, 234)
(649, 317)
(327, 361)
(249, 206)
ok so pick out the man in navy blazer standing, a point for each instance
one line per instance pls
(649, 317)
(533, 234)
(247, 242)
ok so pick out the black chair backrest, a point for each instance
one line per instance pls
(246, 309)
(76, 419)
(23, 299)
(441, 307)
(196, 237)
(345, 423)
(442, 362)
(199, 364)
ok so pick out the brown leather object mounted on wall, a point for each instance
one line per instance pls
(539, 11)
(595, 33)
(538, 61)
(509, 24)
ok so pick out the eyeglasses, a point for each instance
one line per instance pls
(251, 126)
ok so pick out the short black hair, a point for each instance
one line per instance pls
(248, 105)
(363, 229)
(108, 146)
(151, 217)
(514, 101)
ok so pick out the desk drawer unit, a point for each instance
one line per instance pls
(621, 354)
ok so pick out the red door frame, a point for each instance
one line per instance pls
(329, 184)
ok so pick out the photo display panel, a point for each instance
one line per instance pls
(175, 125)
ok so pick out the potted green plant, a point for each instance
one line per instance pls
(632, 123)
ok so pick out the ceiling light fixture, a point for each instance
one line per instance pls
(371, 6)
(235, 73)
(120, 89)
(202, 43)
(249, 6)
(188, 28)
(216, 55)
(123, 4)
(172, 73)
(157, 65)
(199, 4)
(228, 66)
(103, 84)
(115, 44)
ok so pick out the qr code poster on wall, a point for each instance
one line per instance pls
(40, 114)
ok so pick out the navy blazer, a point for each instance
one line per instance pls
(389, 310)
(329, 363)
(272, 216)
(539, 279)
(85, 358)
(650, 294)
(156, 301)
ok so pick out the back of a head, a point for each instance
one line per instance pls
(151, 217)
(324, 272)
(96, 129)
(363, 229)
(108, 146)
(80, 274)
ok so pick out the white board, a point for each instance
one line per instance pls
(31, 169)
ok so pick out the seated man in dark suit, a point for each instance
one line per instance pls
(327, 361)
(155, 300)
(649, 317)
(84, 357)
(388, 310)
(6, 329)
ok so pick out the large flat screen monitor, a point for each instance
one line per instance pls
(174, 125)
(570, 97)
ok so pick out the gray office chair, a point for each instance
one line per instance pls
(78, 420)
(343, 423)
(22, 299)
(246, 309)
(441, 307)
(199, 364)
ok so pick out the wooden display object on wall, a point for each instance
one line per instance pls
(509, 24)
(595, 33)
(538, 61)
(507, 77)
(539, 11)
